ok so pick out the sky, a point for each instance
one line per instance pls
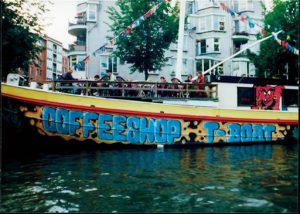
(61, 12)
(57, 20)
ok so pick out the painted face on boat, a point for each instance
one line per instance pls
(268, 97)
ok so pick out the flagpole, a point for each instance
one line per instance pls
(180, 39)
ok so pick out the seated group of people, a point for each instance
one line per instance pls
(199, 80)
(98, 87)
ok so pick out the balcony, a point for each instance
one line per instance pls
(76, 49)
(78, 27)
(240, 37)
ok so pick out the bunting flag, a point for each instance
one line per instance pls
(286, 45)
(250, 21)
(129, 29)
(86, 59)
(80, 65)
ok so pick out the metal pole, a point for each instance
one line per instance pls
(237, 53)
(180, 39)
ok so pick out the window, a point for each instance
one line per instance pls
(203, 46)
(206, 3)
(198, 52)
(184, 65)
(221, 23)
(112, 64)
(202, 26)
(185, 42)
(250, 5)
(245, 5)
(92, 17)
(190, 8)
(173, 62)
(204, 64)
(200, 47)
(208, 23)
(290, 97)
(108, 63)
(216, 44)
(237, 26)
(218, 23)
(220, 69)
(246, 96)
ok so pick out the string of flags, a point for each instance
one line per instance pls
(122, 34)
(243, 18)
(151, 11)
(128, 29)
(252, 24)
(286, 45)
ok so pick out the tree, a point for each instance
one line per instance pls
(144, 47)
(273, 59)
(21, 30)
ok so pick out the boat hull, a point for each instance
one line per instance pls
(109, 121)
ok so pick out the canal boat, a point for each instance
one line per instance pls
(231, 113)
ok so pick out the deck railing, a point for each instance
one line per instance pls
(140, 89)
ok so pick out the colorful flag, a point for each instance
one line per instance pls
(223, 6)
(251, 23)
(148, 14)
(243, 19)
(154, 8)
(112, 41)
(231, 12)
(127, 31)
(286, 45)
(86, 59)
(101, 49)
(263, 31)
(79, 66)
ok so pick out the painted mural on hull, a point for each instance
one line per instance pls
(114, 128)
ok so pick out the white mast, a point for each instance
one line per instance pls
(180, 39)
(242, 50)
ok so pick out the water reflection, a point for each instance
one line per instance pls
(258, 178)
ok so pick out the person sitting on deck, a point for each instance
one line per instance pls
(189, 79)
(200, 80)
(177, 88)
(95, 92)
(109, 77)
(68, 76)
(162, 93)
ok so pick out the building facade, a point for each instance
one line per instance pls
(37, 69)
(49, 64)
(211, 35)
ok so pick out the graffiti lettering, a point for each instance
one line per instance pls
(110, 127)
(239, 132)
(142, 130)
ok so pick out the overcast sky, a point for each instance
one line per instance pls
(58, 18)
(59, 15)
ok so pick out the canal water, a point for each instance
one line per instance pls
(256, 178)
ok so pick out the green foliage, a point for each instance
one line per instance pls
(144, 47)
(273, 58)
(21, 31)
